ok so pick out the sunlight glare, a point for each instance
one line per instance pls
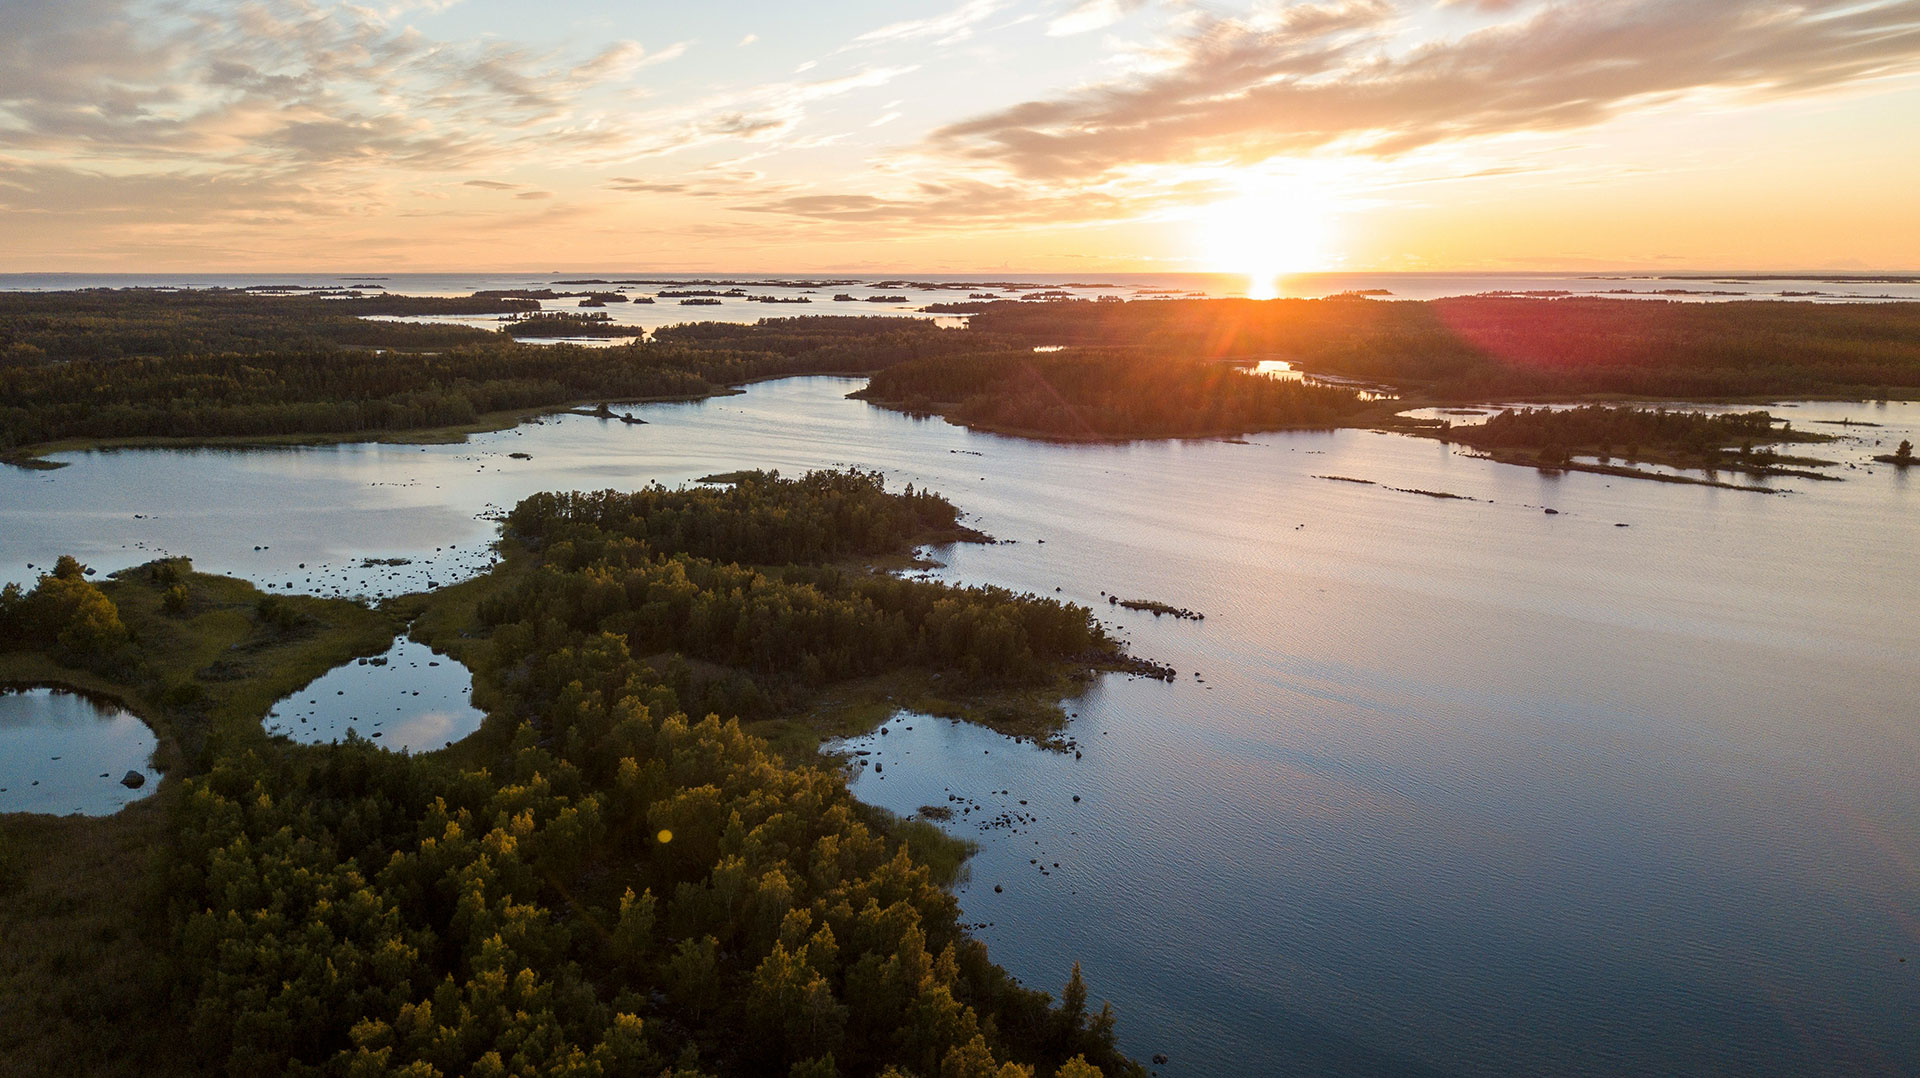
(1274, 229)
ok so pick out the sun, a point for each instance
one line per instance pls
(1269, 231)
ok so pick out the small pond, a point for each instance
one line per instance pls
(412, 697)
(63, 752)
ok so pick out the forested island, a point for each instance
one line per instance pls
(1482, 348)
(1554, 437)
(144, 367)
(141, 366)
(599, 881)
(1098, 394)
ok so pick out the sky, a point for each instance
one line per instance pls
(959, 135)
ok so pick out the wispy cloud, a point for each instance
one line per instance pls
(943, 29)
(1309, 76)
(1092, 15)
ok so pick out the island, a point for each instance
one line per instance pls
(607, 870)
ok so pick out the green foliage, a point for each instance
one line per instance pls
(148, 364)
(13, 617)
(756, 517)
(281, 613)
(605, 885)
(1596, 425)
(64, 613)
(1105, 394)
(764, 634)
(107, 324)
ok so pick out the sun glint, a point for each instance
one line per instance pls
(1267, 232)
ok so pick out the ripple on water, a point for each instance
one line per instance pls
(412, 697)
(63, 753)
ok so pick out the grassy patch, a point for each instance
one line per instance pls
(944, 855)
(218, 665)
(85, 972)
(858, 707)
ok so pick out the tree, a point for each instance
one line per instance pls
(1904, 454)
(94, 627)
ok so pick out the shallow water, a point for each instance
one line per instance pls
(411, 697)
(63, 753)
(1461, 787)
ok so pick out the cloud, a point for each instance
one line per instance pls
(945, 28)
(963, 205)
(1092, 15)
(273, 83)
(761, 113)
(1309, 76)
(646, 187)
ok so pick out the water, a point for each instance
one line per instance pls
(1461, 787)
(922, 289)
(410, 698)
(63, 752)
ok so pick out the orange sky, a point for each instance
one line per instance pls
(1043, 135)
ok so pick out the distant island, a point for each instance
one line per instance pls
(149, 366)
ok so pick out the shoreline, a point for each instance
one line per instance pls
(32, 457)
(1387, 416)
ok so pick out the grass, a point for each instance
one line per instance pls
(85, 967)
(944, 855)
(858, 707)
(217, 667)
(85, 972)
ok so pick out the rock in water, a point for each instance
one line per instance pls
(133, 780)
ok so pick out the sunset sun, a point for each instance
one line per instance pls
(1269, 231)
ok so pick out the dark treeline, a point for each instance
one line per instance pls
(1105, 394)
(1597, 426)
(599, 884)
(834, 344)
(101, 323)
(779, 632)
(1481, 348)
(1554, 436)
(566, 324)
(330, 392)
(145, 363)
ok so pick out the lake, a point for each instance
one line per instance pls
(1444, 787)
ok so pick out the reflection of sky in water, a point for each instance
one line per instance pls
(409, 698)
(62, 753)
(1461, 785)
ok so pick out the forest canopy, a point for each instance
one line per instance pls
(1098, 394)
(1487, 348)
(134, 364)
(602, 882)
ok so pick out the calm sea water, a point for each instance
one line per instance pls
(1444, 787)
(921, 289)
